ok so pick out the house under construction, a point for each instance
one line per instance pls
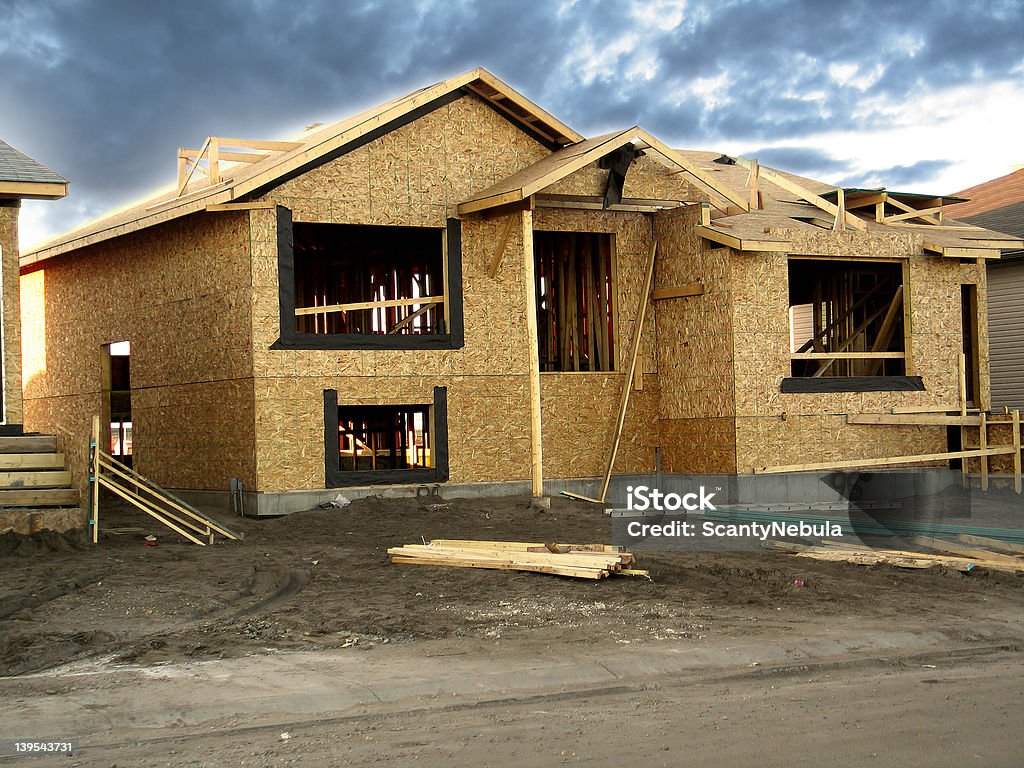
(456, 287)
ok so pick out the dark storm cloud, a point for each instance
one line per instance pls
(105, 91)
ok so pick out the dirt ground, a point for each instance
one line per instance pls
(321, 580)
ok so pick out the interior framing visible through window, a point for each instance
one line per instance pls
(576, 301)
(375, 287)
(847, 317)
(373, 444)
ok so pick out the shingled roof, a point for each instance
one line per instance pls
(21, 176)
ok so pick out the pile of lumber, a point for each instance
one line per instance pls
(965, 554)
(581, 561)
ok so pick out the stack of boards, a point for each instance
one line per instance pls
(581, 561)
(965, 554)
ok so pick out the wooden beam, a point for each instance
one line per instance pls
(241, 207)
(983, 444)
(724, 238)
(963, 550)
(405, 321)
(753, 203)
(228, 157)
(910, 419)
(915, 213)
(993, 545)
(826, 466)
(499, 248)
(533, 348)
(679, 291)
(885, 332)
(183, 183)
(627, 384)
(369, 305)
(94, 480)
(840, 223)
(1016, 450)
(924, 214)
(42, 190)
(274, 146)
(805, 194)
(846, 356)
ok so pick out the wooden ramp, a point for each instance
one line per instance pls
(144, 494)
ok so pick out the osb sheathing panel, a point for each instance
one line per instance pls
(416, 176)
(26, 521)
(997, 435)
(646, 178)
(695, 355)
(762, 356)
(11, 317)
(180, 293)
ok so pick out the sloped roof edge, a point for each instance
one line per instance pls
(324, 144)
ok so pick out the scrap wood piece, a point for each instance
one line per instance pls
(591, 561)
(899, 558)
(994, 545)
(963, 550)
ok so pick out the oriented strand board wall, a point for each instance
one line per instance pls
(11, 315)
(774, 428)
(417, 175)
(695, 354)
(180, 293)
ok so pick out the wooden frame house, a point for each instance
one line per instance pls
(457, 288)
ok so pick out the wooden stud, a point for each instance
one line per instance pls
(840, 222)
(95, 479)
(533, 347)
(679, 291)
(983, 444)
(1016, 450)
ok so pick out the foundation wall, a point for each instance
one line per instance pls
(773, 428)
(180, 293)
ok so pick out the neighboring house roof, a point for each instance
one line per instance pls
(989, 195)
(250, 179)
(21, 176)
(996, 204)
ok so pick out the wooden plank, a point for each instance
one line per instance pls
(405, 321)
(44, 190)
(183, 183)
(724, 238)
(1016, 450)
(983, 444)
(579, 573)
(358, 305)
(922, 213)
(847, 355)
(920, 419)
(884, 462)
(886, 330)
(241, 207)
(39, 497)
(533, 347)
(963, 383)
(679, 291)
(31, 461)
(274, 146)
(499, 248)
(94, 478)
(35, 479)
(136, 501)
(992, 545)
(28, 444)
(964, 550)
(524, 545)
(626, 388)
(229, 157)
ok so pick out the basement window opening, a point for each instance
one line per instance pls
(374, 444)
(376, 437)
(846, 318)
(369, 280)
(575, 285)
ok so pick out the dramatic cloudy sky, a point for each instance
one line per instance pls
(918, 96)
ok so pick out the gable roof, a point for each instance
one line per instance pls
(21, 176)
(568, 160)
(250, 179)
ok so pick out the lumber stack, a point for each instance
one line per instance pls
(947, 554)
(581, 561)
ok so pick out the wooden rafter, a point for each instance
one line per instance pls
(212, 151)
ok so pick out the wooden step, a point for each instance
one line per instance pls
(39, 497)
(28, 444)
(35, 479)
(10, 461)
